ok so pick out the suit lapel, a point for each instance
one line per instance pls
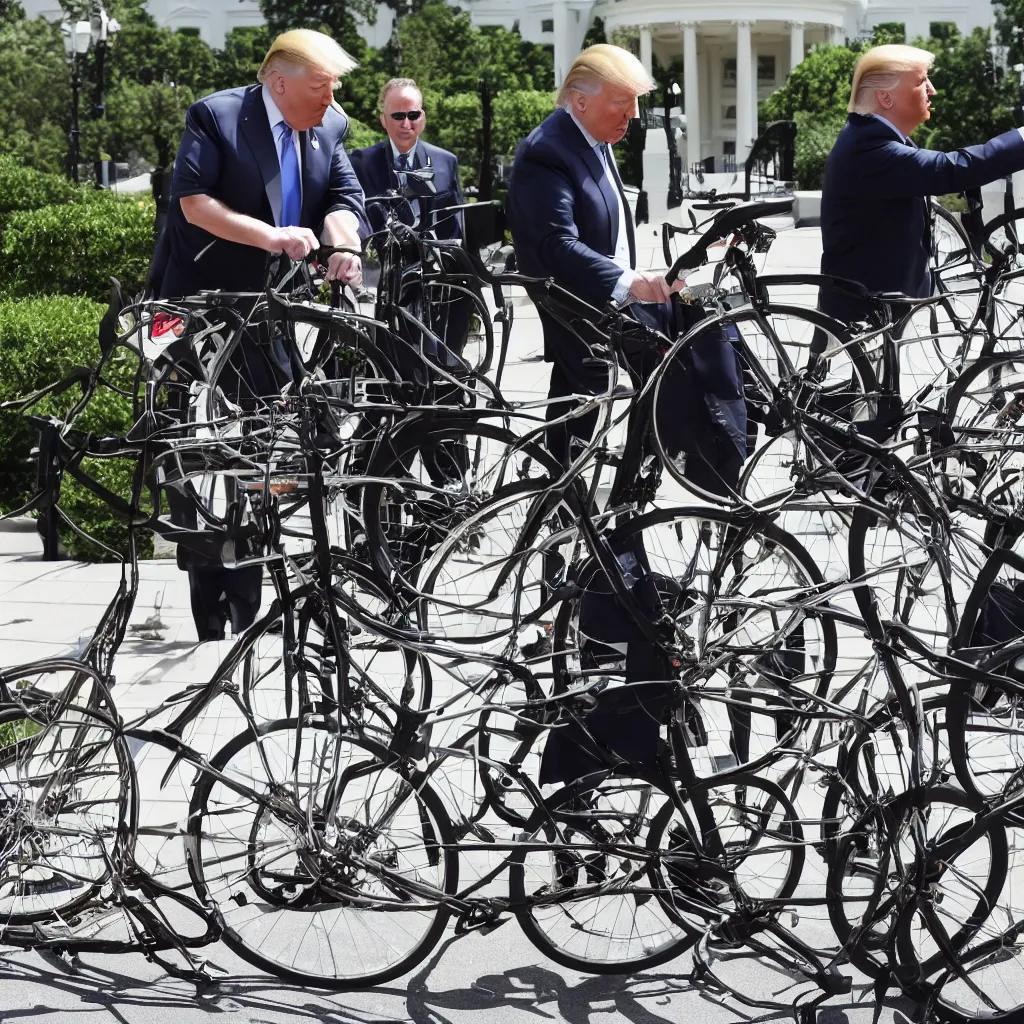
(256, 129)
(594, 166)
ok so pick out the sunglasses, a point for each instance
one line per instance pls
(401, 115)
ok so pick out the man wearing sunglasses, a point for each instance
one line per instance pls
(381, 168)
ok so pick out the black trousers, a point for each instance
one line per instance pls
(258, 369)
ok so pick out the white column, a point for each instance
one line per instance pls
(833, 34)
(691, 95)
(744, 93)
(563, 59)
(645, 47)
(753, 90)
(796, 43)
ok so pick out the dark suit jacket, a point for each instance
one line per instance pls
(564, 215)
(875, 225)
(228, 151)
(375, 169)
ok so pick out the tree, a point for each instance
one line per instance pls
(338, 18)
(819, 85)
(974, 97)
(240, 59)
(35, 93)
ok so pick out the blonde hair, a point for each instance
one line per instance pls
(604, 64)
(293, 52)
(880, 68)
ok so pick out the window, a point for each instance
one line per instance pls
(766, 70)
(728, 148)
(547, 25)
(188, 30)
(729, 112)
(729, 71)
(944, 30)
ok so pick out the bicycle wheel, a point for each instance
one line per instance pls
(985, 985)
(810, 357)
(749, 851)
(731, 586)
(986, 737)
(443, 470)
(979, 450)
(323, 863)
(579, 879)
(65, 792)
(868, 885)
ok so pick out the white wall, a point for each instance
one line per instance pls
(918, 14)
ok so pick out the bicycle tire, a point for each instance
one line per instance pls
(418, 807)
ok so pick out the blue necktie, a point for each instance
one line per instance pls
(291, 184)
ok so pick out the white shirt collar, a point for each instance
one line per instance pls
(409, 155)
(885, 120)
(591, 141)
(274, 115)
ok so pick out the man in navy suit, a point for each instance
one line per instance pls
(381, 168)
(875, 224)
(570, 221)
(260, 170)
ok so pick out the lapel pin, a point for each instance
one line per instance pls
(314, 141)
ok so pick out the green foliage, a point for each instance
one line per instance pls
(77, 248)
(815, 137)
(243, 53)
(595, 34)
(35, 94)
(145, 53)
(41, 340)
(516, 114)
(146, 120)
(454, 124)
(361, 135)
(818, 86)
(20, 729)
(973, 100)
(888, 32)
(22, 188)
(338, 18)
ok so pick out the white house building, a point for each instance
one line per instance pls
(734, 51)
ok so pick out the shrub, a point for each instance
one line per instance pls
(22, 188)
(815, 137)
(41, 341)
(361, 135)
(75, 249)
(516, 114)
(454, 124)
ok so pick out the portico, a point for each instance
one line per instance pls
(733, 57)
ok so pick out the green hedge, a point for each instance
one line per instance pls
(361, 135)
(75, 248)
(41, 340)
(22, 188)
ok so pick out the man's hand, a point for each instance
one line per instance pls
(296, 242)
(345, 267)
(651, 286)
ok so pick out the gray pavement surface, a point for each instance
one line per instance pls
(493, 978)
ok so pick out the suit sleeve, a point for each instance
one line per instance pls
(897, 171)
(197, 166)
(343, 189)
(543, 224)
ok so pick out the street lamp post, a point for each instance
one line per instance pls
(78, 37)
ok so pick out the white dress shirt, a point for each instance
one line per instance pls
(621, 252)
(275, 117)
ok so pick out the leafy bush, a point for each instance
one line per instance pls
(453, 123)
(22, 188)
(361, 135)
(75, 249)
(41, 341)
(516, 114)
(816, 135)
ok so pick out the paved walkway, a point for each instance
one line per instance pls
(50, 608)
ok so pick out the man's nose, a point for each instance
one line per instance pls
(930, 87)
